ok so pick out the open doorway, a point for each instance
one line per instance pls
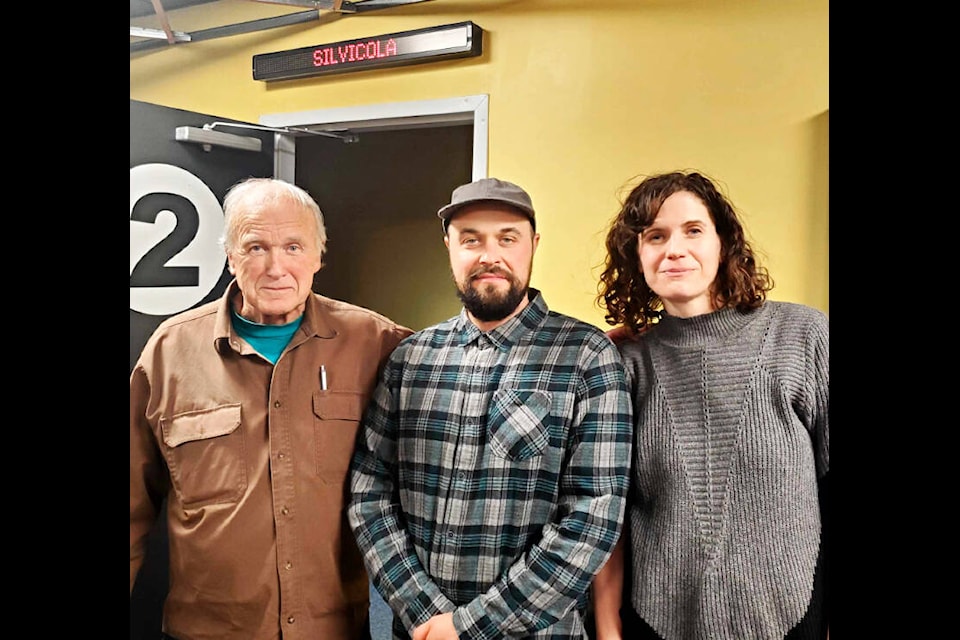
(379, 188)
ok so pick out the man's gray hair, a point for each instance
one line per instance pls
(247, 196)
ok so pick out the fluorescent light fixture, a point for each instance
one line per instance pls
(209, 138)
(178, 36)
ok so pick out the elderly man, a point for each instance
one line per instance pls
(244, 414)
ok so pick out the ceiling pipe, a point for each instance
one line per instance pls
(162, 15)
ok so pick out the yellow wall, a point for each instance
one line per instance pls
(584, 96)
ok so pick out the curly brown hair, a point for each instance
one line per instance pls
(741, 282)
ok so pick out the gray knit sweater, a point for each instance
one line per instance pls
(731, 439)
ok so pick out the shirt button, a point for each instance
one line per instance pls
(276, 404)
(281, 455)
(289, 565)
(290, 619)
(461, 476)
(284, 511)
(450, 533)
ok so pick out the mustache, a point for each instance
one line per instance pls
(497, 271)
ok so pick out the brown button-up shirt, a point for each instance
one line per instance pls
(253, 458)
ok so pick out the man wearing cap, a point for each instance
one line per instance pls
(489, 479)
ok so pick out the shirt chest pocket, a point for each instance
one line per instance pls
(336, 422)
(517, 423)
(204, 452)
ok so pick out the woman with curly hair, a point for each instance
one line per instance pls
(724, 535)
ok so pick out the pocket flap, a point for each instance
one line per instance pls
(338, 405)
(200, 425)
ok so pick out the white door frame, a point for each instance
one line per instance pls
(395, 115)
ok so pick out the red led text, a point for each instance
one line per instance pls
(370, 50)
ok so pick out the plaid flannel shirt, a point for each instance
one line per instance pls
(491, 474)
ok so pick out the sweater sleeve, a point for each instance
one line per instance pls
(818, 390)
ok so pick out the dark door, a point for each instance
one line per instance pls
(176, 262)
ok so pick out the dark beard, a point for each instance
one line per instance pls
(492, 306)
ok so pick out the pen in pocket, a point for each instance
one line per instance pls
(323, 377)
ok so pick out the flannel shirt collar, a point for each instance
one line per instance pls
(510, 332)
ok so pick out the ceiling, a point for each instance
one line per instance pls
(141, 8)
(153, 23)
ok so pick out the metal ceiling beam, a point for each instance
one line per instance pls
(370, 5)
(173, 37)
(343, 6)
(234, 29)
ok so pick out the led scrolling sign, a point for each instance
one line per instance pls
(460, 40)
